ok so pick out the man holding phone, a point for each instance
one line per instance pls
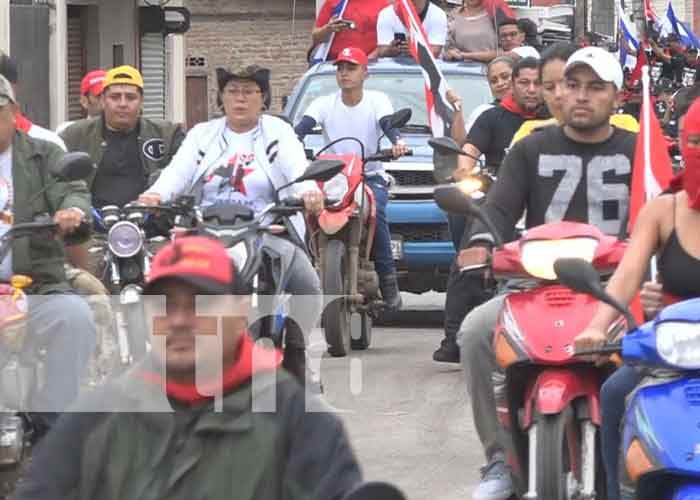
(392, 37)
(355, 27)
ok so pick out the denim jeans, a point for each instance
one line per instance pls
(612, 402)
(381, 251)
(63, 325)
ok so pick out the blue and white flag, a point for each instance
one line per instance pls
(321, 52)
(628, 34)
(671, 24)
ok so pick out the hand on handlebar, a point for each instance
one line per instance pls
(313, 202)
(399, 149)
(591, 339)
(68, 220)
(150, 198)
(474, 256)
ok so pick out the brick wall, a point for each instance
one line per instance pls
(259, 31)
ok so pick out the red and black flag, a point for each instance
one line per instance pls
(440, 111)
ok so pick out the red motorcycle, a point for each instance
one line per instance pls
(548, 399)
(341, 241)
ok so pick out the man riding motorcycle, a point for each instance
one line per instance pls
(207, 415)
(579, 172)
(59, 320)
(242, 158)
(356, 112)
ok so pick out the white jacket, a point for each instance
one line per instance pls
(277, 150)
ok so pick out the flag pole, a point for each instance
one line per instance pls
(646, 110)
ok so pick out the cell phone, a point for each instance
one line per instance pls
(400, 37)
(346, 23)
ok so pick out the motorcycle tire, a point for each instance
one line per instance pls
(361, 332)
(336, 316)
(554, 451)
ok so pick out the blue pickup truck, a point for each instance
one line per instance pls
(421, 242)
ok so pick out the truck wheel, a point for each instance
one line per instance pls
(336, 317)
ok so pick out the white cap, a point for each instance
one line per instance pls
(603, 63)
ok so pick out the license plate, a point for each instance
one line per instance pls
(397, 249)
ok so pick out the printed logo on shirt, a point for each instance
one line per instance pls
(154, 149)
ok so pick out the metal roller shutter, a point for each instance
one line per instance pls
(153, 71)
(75, 66)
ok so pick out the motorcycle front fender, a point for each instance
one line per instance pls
(555, 388)
(331, 222)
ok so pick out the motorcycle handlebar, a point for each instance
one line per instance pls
(606, 349)
(386, 155)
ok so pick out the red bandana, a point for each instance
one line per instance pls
(22, 122)
(233, 376)
(509, 103)
(691, 156)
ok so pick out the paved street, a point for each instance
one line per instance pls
(406, 414)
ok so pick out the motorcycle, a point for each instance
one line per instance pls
(22, 361)
(342, 237)
(241, 232)
(661, 437)
(547, 398)
(127, 252)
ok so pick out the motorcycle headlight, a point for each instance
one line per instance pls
(238, 253)
(678, 343)
(336, 188)
(538, 256)
(124, 239)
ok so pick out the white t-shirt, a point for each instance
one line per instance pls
(6, 209)
(238, 179)
(361, 121)
(526, 51)
(435, 25)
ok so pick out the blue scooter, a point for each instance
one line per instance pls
(661, 431)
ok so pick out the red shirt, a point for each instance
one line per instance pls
(364, 14)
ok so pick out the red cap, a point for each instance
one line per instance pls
(93, 82)
(352, 55)
(197, 260)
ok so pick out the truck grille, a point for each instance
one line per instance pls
(422, 232)
(413, 178)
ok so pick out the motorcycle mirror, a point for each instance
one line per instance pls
(321, 170)
(453, 199)
(400, 118)
(445, 146)
(581, 276)
(73, 167)
(375, 490)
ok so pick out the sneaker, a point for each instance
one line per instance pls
(448, 352)
(496, 483)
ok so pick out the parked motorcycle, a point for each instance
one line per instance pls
(342, 237)
(548, 398)
(661, 436)
(21, 358)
